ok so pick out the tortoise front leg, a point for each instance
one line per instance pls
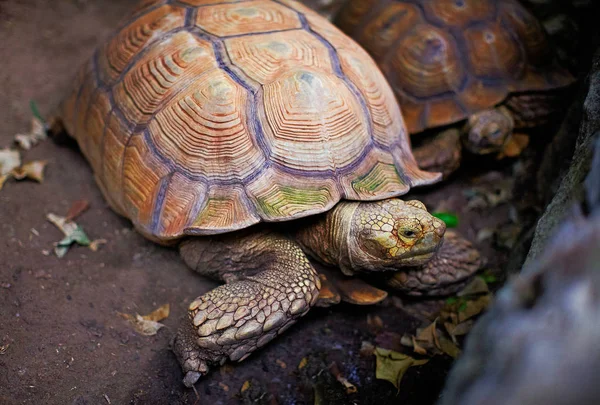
(270, 284)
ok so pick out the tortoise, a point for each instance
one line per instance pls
(250, 135)
(470, 70)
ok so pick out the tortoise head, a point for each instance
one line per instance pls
(487, 131)
(385, 235)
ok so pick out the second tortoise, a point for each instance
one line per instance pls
(480, 71)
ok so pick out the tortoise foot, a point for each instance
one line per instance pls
(447, 273)
(440, 153)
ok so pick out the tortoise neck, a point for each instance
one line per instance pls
(326, 238)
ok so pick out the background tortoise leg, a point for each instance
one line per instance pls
(270, 284)
(440, 153)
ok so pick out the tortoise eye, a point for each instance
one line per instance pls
(408, 233)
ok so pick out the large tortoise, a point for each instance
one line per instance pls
(485, 67)
(202, 118)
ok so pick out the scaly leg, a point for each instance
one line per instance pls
(270, 284)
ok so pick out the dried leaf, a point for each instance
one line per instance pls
(3, 180)
(474, 307)
(77, 208)
(448, 347)
(4, 348)
(31, 170)
(459, 330)
(350, 388)
(281, 363)
(375, 323)
(9, 159)
(148, 325)
(159, 314)
(95, 244)
(417, 348)
(428, 336)
(224, 386)
(245, 386)
(477, 286)
(392, 366)
(302, 363)
(366, 349)
(514, 146)
(73, 234)
(36, 134)
(485, 234)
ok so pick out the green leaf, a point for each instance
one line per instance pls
(392, 366)
(451, 300)
(488, 277)
(36, 112)
(449, 219)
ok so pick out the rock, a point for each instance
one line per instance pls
(538, 343)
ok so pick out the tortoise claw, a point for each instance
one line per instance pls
(329, 294)
(350, 289)
(191, 378)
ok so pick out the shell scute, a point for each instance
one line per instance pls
(205, 130)
(118, 53)
(312, 122)
(494, 53)
(427, 63)
(161, 73)
(264, 57)
(459, 13)
(396, 20)
(249, 17)
(145, 178)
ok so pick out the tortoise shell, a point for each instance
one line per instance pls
(201, 117)
(448, 59)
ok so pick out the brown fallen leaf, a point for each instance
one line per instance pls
(514, 146)
(448, 347)
(459, 330)
(31, 170)
(474, 307)
(303, 363)
(36, 134)
(76, 209)
(148, 325)
(392, 366)
(245, 386)
(9, 159)
(366, 349)
(4, 348)
(95, 244)
(375, 323)
(417, 348)
(158, 314)
(334, 369)
(281, 363)
(224, 386)
(477, 286)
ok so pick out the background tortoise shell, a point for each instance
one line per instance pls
(448, 59)
(200, 117)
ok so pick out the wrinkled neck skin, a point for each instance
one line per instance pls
(328, 239)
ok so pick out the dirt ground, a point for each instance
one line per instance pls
(66, 342)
